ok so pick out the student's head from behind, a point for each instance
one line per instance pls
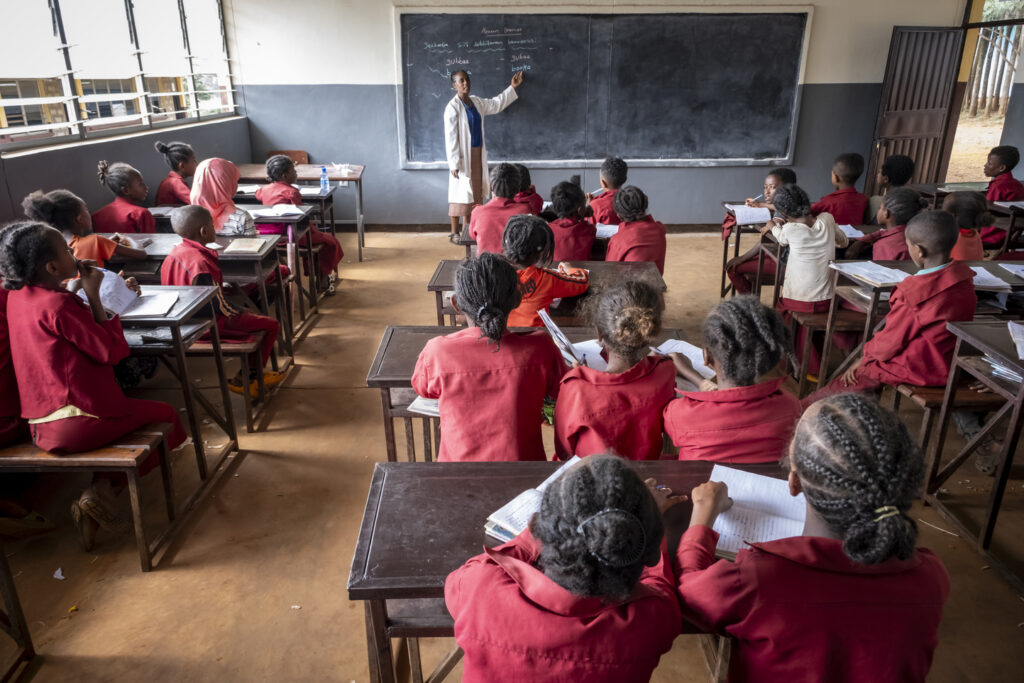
(792, 202)
(487, 290)
(860, 471)
(898, 206)
(281, 169)
(846, 169)
(614, 172)
(930, 237)
(630, 203)
(123, 180)
(744, 340)
(179, 156)
(505, 181)
(525, 181)
(194, 223)
(1002, 159)
(568, 200)
(599, 527)
(969, 209)
(896, 171)
(528, 241)
(34, 253)
(62, 209)
(627, 317)
(776, 178)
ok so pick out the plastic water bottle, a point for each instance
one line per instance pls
(325, 183)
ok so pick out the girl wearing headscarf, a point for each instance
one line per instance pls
(213, 188)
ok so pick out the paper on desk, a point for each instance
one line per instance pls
(513, 517)
(245, 245)
(851, 232)
(1010, 205)
(1013, 269)
(1017, 334)
(248, 189)
(694, 353)
(309, 191)
(426, 406)
(762, 510)
(151, 305)
(986, 280)
(214, 245)
(590, 353)
(749, 215)
(607, 231)
(871, 272)
(276, 210)
(115, 297)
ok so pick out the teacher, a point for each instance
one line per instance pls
(464, 144)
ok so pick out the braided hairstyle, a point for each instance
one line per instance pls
(567, 199)
(278, 166)
(116, 176)
(746, 339)
(969, 208)
(505, 181)
(903, 203)
(628, 317)
(59, 208)
(599, 527)
(898, 168)
(614, 171)
(25, 247)
(792, 202)
(487, 290)
(848, 167)
(176, 154)
(525, 182)
(528, 241)
(630, 203)
(861, 471)
(786, 175)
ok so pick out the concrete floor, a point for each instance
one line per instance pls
(256, 592)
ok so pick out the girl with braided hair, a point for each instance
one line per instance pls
(899, 205)
(491, 382)
(528, 243)
(173, 190)
(528, 191)
(849, 600)
(574, 234)
(584, 594)
(487, 222)
(640, 237)
(972, 217)
(125, 213)
(745, 418)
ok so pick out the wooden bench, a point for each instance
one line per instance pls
(929, 399)
(846, 321)
(242, 350)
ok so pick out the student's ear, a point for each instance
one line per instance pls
(918, 252)
(455, 304)
(795, 488)
(709, 360)
(835, 178)
(604, 184)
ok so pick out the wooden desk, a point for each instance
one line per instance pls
(257, 173)
(422, 521)
(323, 201)
(736, 232)
(162, 216)
(13, 619)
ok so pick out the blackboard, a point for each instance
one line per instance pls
(672, 89)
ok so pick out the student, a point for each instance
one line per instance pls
(851, 599)
(899, 205)
(896, 171)
(125, 213)
(69, 214)
(1003, 188)
(742, 269)
(193, 263)
(487, 223)
(491, 382)
(744, 418)
(574, 235)
(614, 172)
(640, 237)
(527, 192)
(214, 188)
(173, 191)
(584, 594)
(971, 213)
(618, 410)
(845, 204)
(915, 347)
(63, 351)
(528, 243)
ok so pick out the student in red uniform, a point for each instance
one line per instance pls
(491, 382)
(125, 213)
(640, 237)
(899, 205)
(527, 192)
(1002, 188)
(618, 410)
(487, 223)
(64, 351)
(584, 594)
(614, 172)
(69, 214)
(971, 213)
(896, 171)
(845, 204)
(744, 418)
(742, 269)
(173, 190)
(574, 235)
(851, 599)
(915, 347)
(193, 263)
(528, 243)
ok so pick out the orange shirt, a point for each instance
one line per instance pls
(93, 247)
(540, 287)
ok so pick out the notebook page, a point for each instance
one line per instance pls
(607, 231)
(309, 191)
(149, 305)
(1010, 205)
(1017, 334)
(561, 341)
(986, 280)
(245, 245)
(1013, 269)
(515, 515)
(694, 353)
(762, 509)
(870, 271)
(248, 189)
(115, 297)
(749, 215)
(851, 232)
(426, 406)
(590, 353)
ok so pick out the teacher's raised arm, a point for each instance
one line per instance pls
(464, 144)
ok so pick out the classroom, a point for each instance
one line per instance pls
(510, 341)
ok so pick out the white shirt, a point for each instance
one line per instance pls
(457, 143)
(810, 250)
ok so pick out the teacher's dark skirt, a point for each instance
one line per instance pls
(476, 180)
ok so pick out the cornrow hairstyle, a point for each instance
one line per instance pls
(599, 526)
(505, 181)
(175, 153)
(1008, 155)
(936, 230)
(614, 171)
(898, 168)
(528, 241)
(524, 178)
(487, 290)
(630, 203)
(848, 167)
(903, 203)
(117, 176)
(25, 247)
(567, 199)
(277, 166)
(786, 175)
(746, 338)
(861, 471)
(628, 316)
(59, 208)
(969, 208)
(792, 202)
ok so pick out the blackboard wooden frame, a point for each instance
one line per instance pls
(406, 164)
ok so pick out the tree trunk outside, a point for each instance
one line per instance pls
(985, 68)
(1015, 45)
(972, 78)
(998, 69)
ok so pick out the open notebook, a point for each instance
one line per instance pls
(512, 518)
(762, 510)
(117, 299)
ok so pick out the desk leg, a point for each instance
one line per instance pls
(222, 379)
(378, 645)
(933, 454)
(190, 407)
(723, 289)
(830, 328)
(296, 269)
(359, 218)
(760, 272)
(389, 427)
(777, 289)
(328, 208)
(17, 628)
(439, 302)
(1002, 473)
(313, 275)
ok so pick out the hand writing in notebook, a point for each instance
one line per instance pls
(663, 495)
(710, 499)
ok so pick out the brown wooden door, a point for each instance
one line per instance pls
(917, 94)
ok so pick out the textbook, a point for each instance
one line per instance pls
(557, 336)
(1017, 335)
(1013, 269)
(762, 510)
(1010, 205)
(512, 518)
(985, 280)
(426, 406)
(607, 231)
(871, 272)
(248, 189)
(117, 299)
(275, 211)
(851, 232)
(749, 215)
(245, 245)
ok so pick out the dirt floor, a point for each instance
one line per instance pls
(975, 136)
(256, 591)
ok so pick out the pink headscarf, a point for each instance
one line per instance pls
(214, 187)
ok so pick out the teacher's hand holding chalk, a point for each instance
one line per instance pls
(517, 79)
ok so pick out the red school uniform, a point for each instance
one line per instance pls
(12, 427)
(278, 193)
(331, 252)
(800, 610)
(603, 206)
(490, 400)
(600, 411)
(741, 425)
(516, 624)
(531, 199)
(847, 206)
(968, 247)
(539, 287)
(889, 244)
(642, 240)
(1005, 188)
(121, 215)
(487, 223)
(574, 238)
(173, 191)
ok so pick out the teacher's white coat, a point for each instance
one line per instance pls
(457, 143)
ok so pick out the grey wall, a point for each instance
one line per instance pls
(1013, 127)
